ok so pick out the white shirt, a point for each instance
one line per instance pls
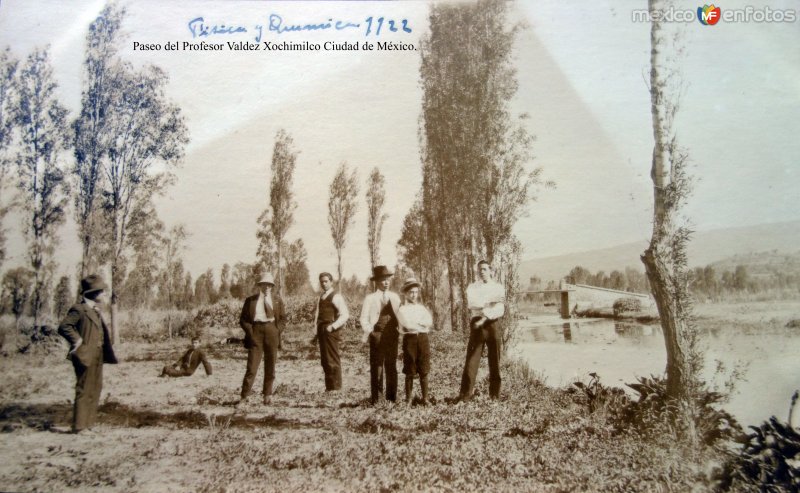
(486, 299)
(373, 304)
(338, 302)
(416, 319)
(261, 312)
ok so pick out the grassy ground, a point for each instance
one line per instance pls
(185, 434)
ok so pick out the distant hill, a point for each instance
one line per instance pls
(705, 248)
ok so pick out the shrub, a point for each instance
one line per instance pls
(654, 410)
(770, 459)
(599, 396)
(623, 305)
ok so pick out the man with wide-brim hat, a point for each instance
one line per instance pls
(262, 320)
(90, 345)
(379, 322)
(415, 323)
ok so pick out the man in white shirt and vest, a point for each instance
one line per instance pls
(329, 319)
(262, 320)
(379, 323)
(485, 299)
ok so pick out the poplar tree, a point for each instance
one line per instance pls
(376, 197)
(342, 208)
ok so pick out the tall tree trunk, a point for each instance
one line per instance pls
(661, 265)
(280, 276)
(113, 303)
(339, 267)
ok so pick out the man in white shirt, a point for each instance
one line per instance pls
(485, 298)
(330, 317)
(415, 323)
(379, 323)
(262, 320)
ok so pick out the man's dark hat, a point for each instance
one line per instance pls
(92, 283)
(379, 272)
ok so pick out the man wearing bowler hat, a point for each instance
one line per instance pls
(90, 346)
(262, 320)
(379, 323)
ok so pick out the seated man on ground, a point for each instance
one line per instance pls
(188, 363)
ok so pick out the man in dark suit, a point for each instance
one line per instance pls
(262, 320)
(188, 363)
(90, 346)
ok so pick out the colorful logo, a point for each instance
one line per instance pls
(708, 15)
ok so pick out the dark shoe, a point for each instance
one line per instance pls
(464, 398)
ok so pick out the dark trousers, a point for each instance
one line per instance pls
(88, 385)
(265, 343)
(330, 357)
(171, 371)
(383, 360)
(416, 354)
(489, 333)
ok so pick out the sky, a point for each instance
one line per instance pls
(582, 79)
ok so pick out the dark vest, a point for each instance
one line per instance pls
(387, 319)
(328, 313)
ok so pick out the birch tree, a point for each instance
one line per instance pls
(342, 208)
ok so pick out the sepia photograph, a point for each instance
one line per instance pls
(424, 245)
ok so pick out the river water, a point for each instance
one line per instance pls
(563, 351)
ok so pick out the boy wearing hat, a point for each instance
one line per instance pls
(262, 320)
(379, 323)
(90, 346)
(416, 321)
(189, 362)
(330, 317)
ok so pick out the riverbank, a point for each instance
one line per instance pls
(186, 435)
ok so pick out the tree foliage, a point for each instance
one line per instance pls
(17, 286)
(63, 297)
(8, 71)
(94, 132)
(41, 121)
(128, 138)
(376, 197)
(475, 154)
(342, 208)
(281, 201)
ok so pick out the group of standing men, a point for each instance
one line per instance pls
(384, 317)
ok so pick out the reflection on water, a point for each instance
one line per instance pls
(592, 331)
(567, 351)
